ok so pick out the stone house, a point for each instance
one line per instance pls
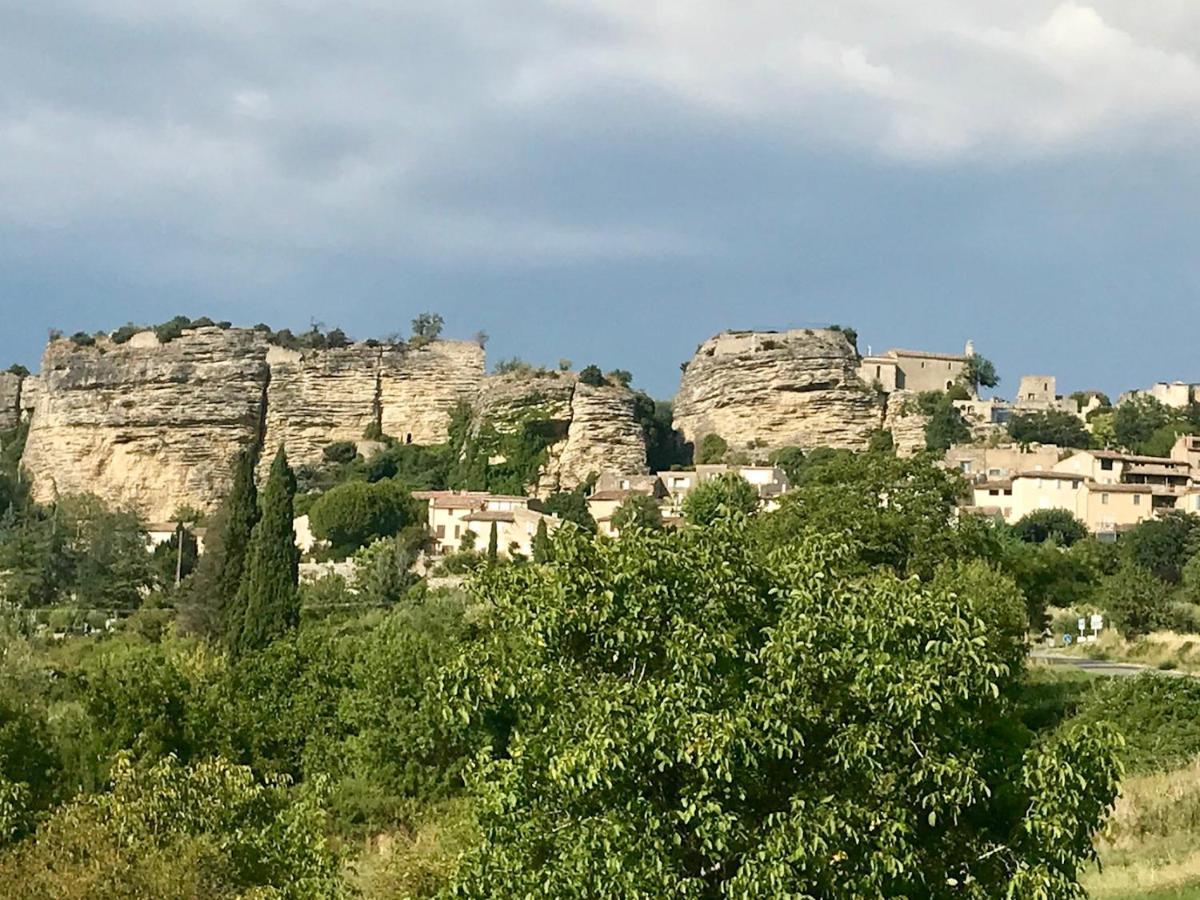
(516, 527)
(914, 370)
(450, 516)
(770, 482)
(612, 490)
(1000, 463)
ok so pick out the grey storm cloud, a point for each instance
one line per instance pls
(415, 128)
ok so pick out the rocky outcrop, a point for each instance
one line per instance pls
(10, 400)
(775, 389)
(145, 426)
(152, 426)
(319, 397)
(31, 390)
(906, 423)
(593, 429)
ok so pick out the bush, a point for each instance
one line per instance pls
(1057, 525)
(1057, 427)
(591, 375)
(340, 452)
(1137, 602)
(638, 511)
(712, 449)
(354, 514)
(1163, 546)
(727, 495)
(1158, 717)
(82, 339)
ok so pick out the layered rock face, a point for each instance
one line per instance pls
(318, 397)
(143, 426)
(597, 427)
(10, 400)
(152, 427)
(906, 422)
(769, 390)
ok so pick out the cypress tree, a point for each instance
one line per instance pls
(541, 543)
(493, 545)
(269, 587)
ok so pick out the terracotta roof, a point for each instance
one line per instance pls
(1131, 458)
(1168, 471)
(457, 502)
(615, 495)
(1005, 483)
(1051, 475)
(925, 354)
(492, 515)
(1097, 488)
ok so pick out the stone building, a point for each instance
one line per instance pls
(915, 370)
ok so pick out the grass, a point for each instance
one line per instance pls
(1150, 848)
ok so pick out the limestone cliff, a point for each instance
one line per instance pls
(146, 426)
(318, 397)
(591, 429)
(769, 390)
(153, 426)
(10, 400)
(906, 422)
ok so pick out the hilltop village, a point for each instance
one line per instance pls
(148, 420)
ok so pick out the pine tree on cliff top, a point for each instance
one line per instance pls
(269, 586)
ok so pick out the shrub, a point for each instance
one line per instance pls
(712, 449)
(82, 339)
(340, 452)
(1056, 427)
(638, 511)
(727, 495)
(1136, 600)
(591, 375)
(354, 514)
(1057, 525)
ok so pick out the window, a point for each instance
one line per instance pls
(457, 530)
(994, 473)
(966, 465)
(1104, 499)
(1137, 499)
(1106, 465)
(441, 531)
(879, 371)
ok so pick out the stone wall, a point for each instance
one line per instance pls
(764, 390)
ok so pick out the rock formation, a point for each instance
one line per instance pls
(767, 390)
(152, 426)
(595, 428)
(10, 400)
(906, 422)
(318, 397)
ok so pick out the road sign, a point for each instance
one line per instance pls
(1082, 625)
(1067, 639)
(1097, 622)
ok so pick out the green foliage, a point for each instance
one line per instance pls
(354, 514)
(340, 452)
(382, 569)
(850, 333)
(1136, 600)
(772, 725)
(620, 377)
(1158, 717)
(269, 587)
(1054, 426)
(728, 495)
(591, 375)
(175, 559)
(521, 445)
(791, 460)
(881, 441)
(542, 548)
(665, 447)
(980, 372)
(1164, 545)
(1057, 525)
(426, 328)
(82, 339)
(493, 548)
(1137, 420)
(173, 831)
(712, 449)
(571, 506)
(945, 426)
(638, 511)
(1162, 440)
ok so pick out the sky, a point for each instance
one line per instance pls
(613, 181)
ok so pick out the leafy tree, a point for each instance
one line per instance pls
(945, 427)
(980, 372)
(173, 831)
(791, 460)
(621, 377)
(426, 328)
(638, 511)
(665, 447)
(712, 449)
(881, 441)
(591, 375)
(382, 570)
(571, 506)
(1163, 546)
(771, 726)
(354, 514)
(271, 602)
(1054, 426)
(1057, 525)
(340, 452)
(727, 495)
(1162, 441)
(1136, 420)
(175, 559)
(542, 551)
(1137, 601)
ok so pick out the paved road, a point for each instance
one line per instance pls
(1099, 666)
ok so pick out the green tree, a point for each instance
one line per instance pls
(882, 441)
(638, 511)
(712, 449)
(772, 725)
(382, 570)
(426, 328)
(1136, 420)
(1057, 525)
(542, 548)
(945, 427)
(980, 372)
(729, 494)
(1136, 600)
(1163, 546)
(493, 550)
(791, 460)
(354, 514)
(1063, 429)
(571, 506)
(272, 603)
(591, 375)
